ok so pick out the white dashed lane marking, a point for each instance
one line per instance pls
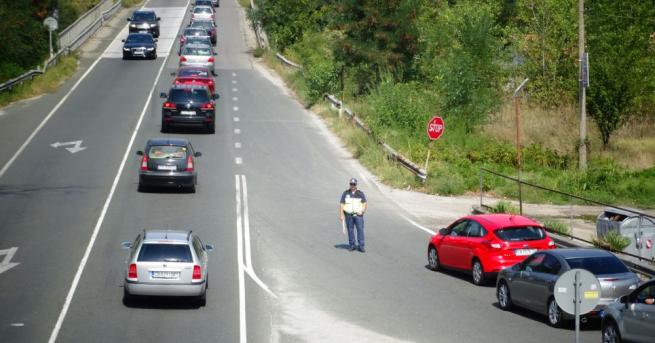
(237, 131)
(235, 90)
(234, 74)
(234, 98)
(234, 82)
(238, 160)
(236, 119)
(235, 108)
(237, 145)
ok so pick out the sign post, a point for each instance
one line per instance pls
(52, 25)
(435, 129)
(577, 292)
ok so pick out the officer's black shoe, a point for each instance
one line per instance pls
(351, 247)
(361, 249)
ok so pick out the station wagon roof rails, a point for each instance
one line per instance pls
(188, 236)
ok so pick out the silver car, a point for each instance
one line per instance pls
(202, 13)
(167, 263)
(530, 284)
(632, 317)
(197, 55)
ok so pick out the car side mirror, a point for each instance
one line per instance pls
(123, 40)
(163, 95)
(156, 40)
(140, 153)
(209, 247)
(126, 245)
(173, 74)
(129, 19)
(443, 231)
(197, 154)
(215, 53)
(215, 96)
(158, 18)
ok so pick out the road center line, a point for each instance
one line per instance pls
(105, 207)
(243, 335)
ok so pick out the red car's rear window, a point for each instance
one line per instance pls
(520, 233)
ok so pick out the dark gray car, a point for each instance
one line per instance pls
(632, 317)
(530, 284)
(168, 162)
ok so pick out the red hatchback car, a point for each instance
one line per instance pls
(194, 76)
(485, 244)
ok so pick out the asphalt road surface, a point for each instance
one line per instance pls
(269, 185)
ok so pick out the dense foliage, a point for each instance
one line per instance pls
(24, 42)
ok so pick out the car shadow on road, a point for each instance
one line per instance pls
(164, 190)
(162, 303)
(591, 325)
(187, 130)
(465, 277)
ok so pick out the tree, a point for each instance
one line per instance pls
(287, 20)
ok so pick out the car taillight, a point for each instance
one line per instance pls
(189, 166)
(551, 243)
(197, 276)
(144, 163)
(207, 106)
(211, 59)
(169, 105)
(182, 59)
(211, 82)
(131, 272)
(177, 82)
(493, 245)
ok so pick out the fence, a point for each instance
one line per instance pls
(338, 104)
(71, 38)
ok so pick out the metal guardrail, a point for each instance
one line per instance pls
(71, 38)
(287, 61)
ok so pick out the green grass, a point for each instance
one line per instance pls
(612, 241)
(131, 3)
(557, 227)
(46, 83)
(244, 3)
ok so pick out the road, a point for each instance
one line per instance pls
(269, 183)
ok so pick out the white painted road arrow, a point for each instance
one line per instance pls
(6, 263)
(76, 146)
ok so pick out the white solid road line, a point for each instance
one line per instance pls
(103, 213)
(419, 225)
(243, 335)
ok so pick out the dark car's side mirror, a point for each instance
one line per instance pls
(163, 95)
(197, 154)
(215, 96)
(444, 231)
(156, 40)
(158, 18)
(624, 300)
(215, 53)
(129, 19)
(123, 40)
(140, 153)
(173, 74)
(209, 247)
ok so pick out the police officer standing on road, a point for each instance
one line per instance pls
(352, 208)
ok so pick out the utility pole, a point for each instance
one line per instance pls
(518, 141)
(582, 144)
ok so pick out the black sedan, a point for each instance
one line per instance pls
(168, 162)
(188, 105)
(144, 21)
(141, 45)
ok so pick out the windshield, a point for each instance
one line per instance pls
(195, 32)
(139, 39)
(144, 16)
(193, 72)
(197, 51)
(165, 253)
(167, 151)
(522, 233)
(197, 95)
(202, 10)
(204, 24)
(598, 265)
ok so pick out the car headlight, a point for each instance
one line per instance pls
(150, 49)
(132, 25)
(633, 287)
(153, 25)
(126, 49)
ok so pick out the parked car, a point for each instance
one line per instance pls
(207, 25)
(168, 162)
(632, 317)
(167, 263)
(194, 76)
(202, 13)
(530, 284)
(141, 45)
(144, 21)
(197, 55)
(483, 245)
(206, 40)
(188, 105)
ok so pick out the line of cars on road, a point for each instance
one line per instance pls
(518, 254)
(174, 262)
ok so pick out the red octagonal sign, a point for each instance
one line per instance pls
(435, 128)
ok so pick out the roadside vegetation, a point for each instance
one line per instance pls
(398, 65)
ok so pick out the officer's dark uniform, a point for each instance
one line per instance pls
(349, 198)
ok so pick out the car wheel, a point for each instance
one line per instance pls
(478, 273)
(164, 127)
(211, 128)
(555, 318)
(433, 259)
(202, 299)
(504, 298)
(192, 189)
(142, 188)
(610, 333)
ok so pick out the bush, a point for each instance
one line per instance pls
(612, 241)
(504, 206)
(401, 106)
(557, 227)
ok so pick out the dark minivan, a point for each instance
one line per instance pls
(168, 162)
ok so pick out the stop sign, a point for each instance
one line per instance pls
(435, 128)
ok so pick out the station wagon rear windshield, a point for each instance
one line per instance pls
(196, 31)
(153, 252)
(193, 51)
(193, 72)
(184, 95)
(522, 233)
(167, 151)
(598, 265)
(202, 10)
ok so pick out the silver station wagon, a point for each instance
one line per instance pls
(167, 263)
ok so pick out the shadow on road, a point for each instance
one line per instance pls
(464, 276)
(591, 325)
(162, 303)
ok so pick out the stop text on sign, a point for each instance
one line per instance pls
(436, 128)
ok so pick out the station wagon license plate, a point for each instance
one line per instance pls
(164, 275)
(524, 252)
(190, 113)
(171, 168)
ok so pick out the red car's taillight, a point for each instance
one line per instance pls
(144, 163)
(169, 105)
(131, 272)
(189, 166)
(197, 276)
(182, 59)
(551, 244)
(211, 59)
(493, 244)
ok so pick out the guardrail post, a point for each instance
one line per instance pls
(571, 214)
